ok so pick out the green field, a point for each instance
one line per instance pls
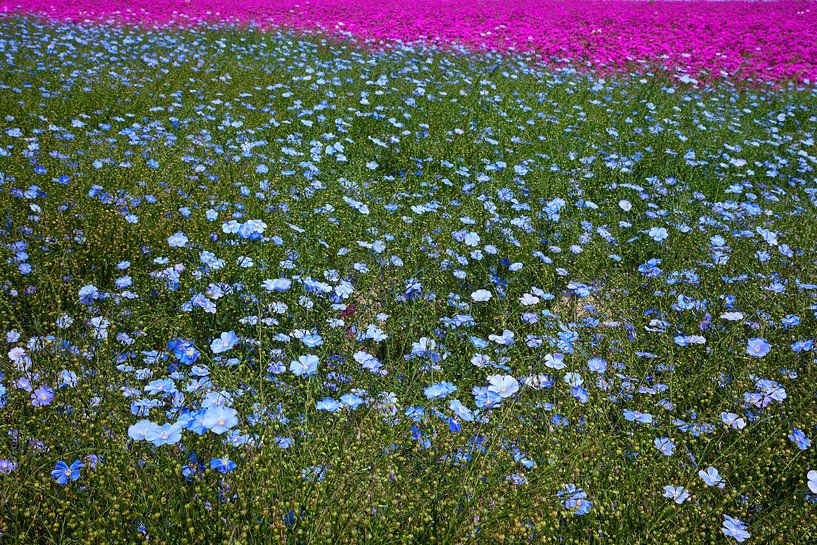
(463, 298)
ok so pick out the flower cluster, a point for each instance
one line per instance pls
(259, 286)
(755, 40)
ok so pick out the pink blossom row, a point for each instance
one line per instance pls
(760, 40)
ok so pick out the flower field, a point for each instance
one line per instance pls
(416, 272)
(739, 39)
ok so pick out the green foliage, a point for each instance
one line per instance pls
(195, 101)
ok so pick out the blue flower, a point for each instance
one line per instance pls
(506, 339)
(222, 465)
(7, 466)
(711, 477)
(440, 390)
(167, 434)
(637, 416)
(471, 239)
(461, 410)
(481, 296)
(733, 420)
(306, 366)
(64, 322)
(678, 494)
(140, 430)
(485, 398)
(314, 473)
(42, 396)
(353, 401)
(278, 284)
(575, 499)
(63, 473)
(312, 340)
(735, 528)
(177, 240)
(555, 361)
(328, 404)
(225, 342)
(252, 229)
(504, 386)
(664, 445)
(758, 347)
(658, 234)
(184, 351)
(597, 365)
(219, 419)
(812, 481)
(88, 294)
(799, 438)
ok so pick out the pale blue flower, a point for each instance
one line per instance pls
(711, 477)
(225, 342)
(306, 366)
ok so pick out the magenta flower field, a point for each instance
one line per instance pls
(766, 41)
